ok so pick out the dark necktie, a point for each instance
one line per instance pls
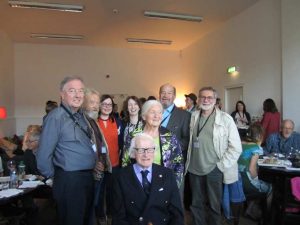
(145, 182)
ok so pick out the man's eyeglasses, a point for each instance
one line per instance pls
(144, 150)
(209, 98)
(73, 91)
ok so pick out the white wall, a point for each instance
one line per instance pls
(7, 127)
(252, 41)
(291, 60)
(40, 68)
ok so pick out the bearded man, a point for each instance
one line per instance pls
(214, 149)
(91, 106)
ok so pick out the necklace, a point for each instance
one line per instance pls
(103, 119)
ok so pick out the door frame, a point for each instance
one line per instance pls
(226, 88)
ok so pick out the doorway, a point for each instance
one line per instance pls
(232, 95)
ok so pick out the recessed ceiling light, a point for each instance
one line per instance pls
(175, 16)
(48, 6)
(148, 41)
(58, 36)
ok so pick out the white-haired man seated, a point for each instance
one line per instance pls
(146, 193)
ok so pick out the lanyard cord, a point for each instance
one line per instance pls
(76, 122)
(200, 129)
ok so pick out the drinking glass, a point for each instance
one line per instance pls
(11, 165)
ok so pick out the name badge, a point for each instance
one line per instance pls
(103, 149)
(94, 147)
(196, 145)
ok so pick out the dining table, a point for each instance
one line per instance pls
(25, 188)
(279, 173)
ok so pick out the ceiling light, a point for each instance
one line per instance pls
(49, 6)
(148, 41)
(165, 15)
(58, 36)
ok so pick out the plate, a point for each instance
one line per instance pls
(278, 163)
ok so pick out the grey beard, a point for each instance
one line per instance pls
(207, 107)
(92, 114)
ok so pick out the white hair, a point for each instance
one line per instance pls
(148, 105)
(140, 136)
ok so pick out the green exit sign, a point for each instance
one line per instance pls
(231, 69)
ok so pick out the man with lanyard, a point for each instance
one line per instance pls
(91, 107)
(213, 152)
(67, 152)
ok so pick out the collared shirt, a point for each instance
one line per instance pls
(63, 144)
(137, 170)
(166, 115)
(277, 143)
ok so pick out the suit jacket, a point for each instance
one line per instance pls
(179, 124)
(131, 206)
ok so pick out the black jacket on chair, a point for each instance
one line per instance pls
(131, 206)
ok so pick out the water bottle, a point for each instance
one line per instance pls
(21, 171)
(13, 182)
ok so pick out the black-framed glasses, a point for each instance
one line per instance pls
(144, 150)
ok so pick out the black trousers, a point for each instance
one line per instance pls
(106, 196)
(73, 192)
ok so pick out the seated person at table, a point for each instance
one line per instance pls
(7, 153)
(248, 161)
(32, 143)
(30, 128)
(146, 193)
(284, 141)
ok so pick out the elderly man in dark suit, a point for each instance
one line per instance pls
(146, 193)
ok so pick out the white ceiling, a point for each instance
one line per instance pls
(102, 27)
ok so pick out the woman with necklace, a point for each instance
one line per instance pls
(132, 118)
(112, 131)
(242, 118)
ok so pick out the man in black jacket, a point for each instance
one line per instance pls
(146, 193)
